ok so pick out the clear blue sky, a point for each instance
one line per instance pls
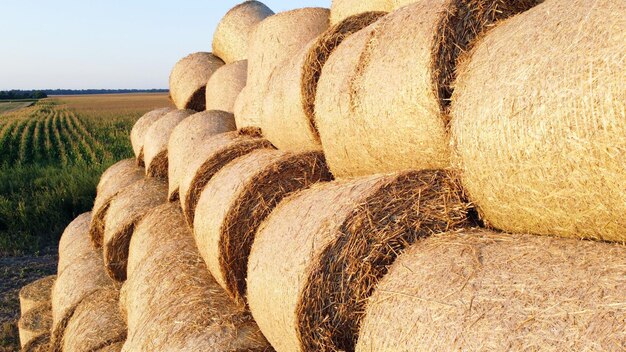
(107, 44)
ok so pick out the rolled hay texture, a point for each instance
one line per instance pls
(225, 85)
(96, 323)
(187, 137)
(481, 290)
(167, 268)
(547, 155)
(138, 132)
(235, 202)
(342, 9)
(36, 293)
(287, 114)
(230, 41)
(273, 41)
(392, 115)
(80, 279)
(127, 208)
(115, 178)
(208, 159)
(40, 343)
(335, 241)
(75, 241)
(157, 138)
(189, 77)
(36, 322)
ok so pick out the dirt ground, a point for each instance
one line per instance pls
(15, 272)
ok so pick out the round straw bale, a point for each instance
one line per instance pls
(75, 241)
(225, 85)
(208, 159)
(319, 254)
(235, 202)
(96, 323)
(396, 116)
(116, 177)
(40, 343)
(138, 133)
(126, 209)
(34, 323)
(342, 9)
(481, 290)
(170, 271)
(274, 40)
(230, 41)
(189, 77)
(116, 347)
(80, 279)
(187, 136)
(548, 156)
(287, 117)
(36, 293)
(157, 138)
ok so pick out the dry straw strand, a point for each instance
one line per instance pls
(336, 241)
(189, 77)
(115, 178)
(481, 290)
(126, 209)
(287, 115)
(75, 241)
(273, 41)
(225, 86)
(36, 322)
(187, 137)
(230, 41)
(170, 271)
(235, 202)
(138, 132)
(157, 138)
(550, 142)
(208, 159)
(396, 116)
(36, 293)
(342, 9)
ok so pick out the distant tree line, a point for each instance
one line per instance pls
(40, 94)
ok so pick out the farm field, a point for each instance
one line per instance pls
(8, 106)
(51, 157)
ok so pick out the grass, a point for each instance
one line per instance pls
(51, 157)
(7, 106)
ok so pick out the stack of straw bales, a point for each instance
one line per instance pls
(235, 202)
(274, 40)
(187, 137)
(545, 153)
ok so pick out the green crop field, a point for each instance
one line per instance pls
(51, 158)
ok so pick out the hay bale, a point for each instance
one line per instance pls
(36, 322)
(188, 80)
(396, 104)
(208, 159)
(273, 41)
(116, 177)
(36, 293)
(481, 290)
(40, 343)
(79, 279)
(96, 323)
(75, 241)
(157, 138)
(170, 271)
(225, 85)
(342, 9)
(546, 154)
(287, 116)
(187, 137)
(230, 41)
(127, 208)
(138, 133)
(335, 241)
(235, 202)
